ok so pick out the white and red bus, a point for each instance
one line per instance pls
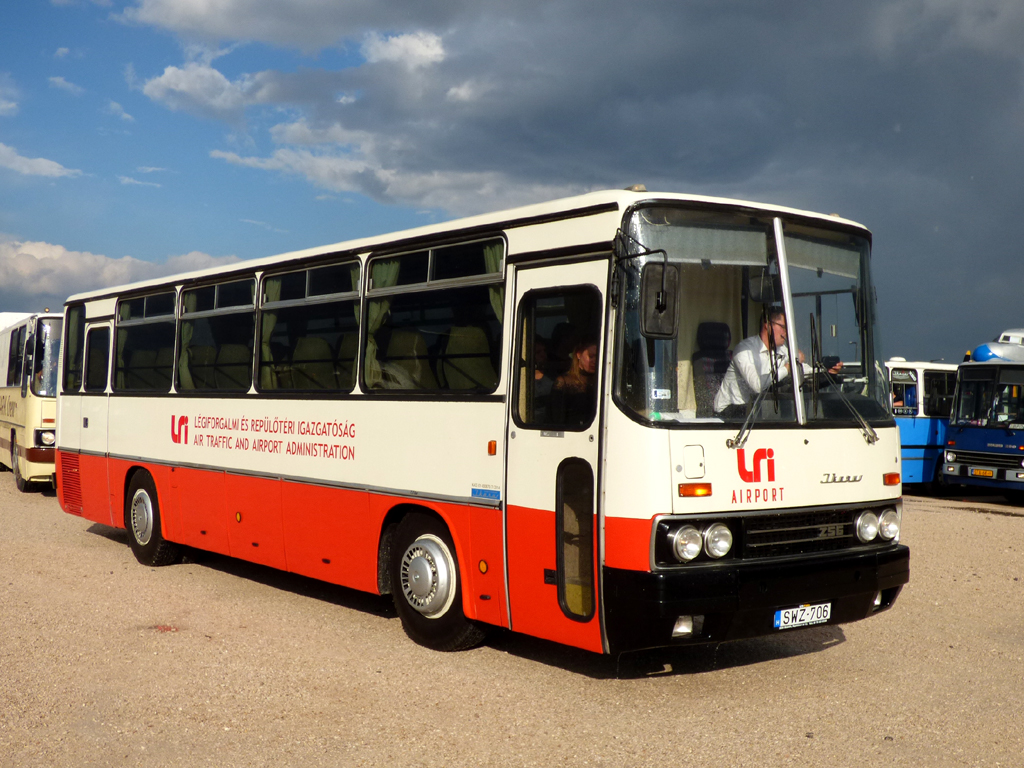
(29, 353)
(507, 420)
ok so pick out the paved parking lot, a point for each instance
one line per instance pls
(106, 662)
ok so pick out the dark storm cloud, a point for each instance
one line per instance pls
(904, 115)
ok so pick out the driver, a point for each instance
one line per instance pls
(751, 370)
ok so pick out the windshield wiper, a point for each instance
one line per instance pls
(816, 363)
(748, 423)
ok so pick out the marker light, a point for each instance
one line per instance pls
(686, 543)
(889, 525)
(717, 540)
(867, 526)
(695, 489)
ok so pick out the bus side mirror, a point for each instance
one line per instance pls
(27, 364)
(659, 301)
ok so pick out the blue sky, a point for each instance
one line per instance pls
(144, 137)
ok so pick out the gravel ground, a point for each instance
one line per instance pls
(216, 662)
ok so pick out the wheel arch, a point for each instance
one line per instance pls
(387, 532)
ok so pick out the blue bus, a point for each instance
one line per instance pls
(985, 441)
(922, 394)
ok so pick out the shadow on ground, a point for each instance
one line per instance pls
(690, 660)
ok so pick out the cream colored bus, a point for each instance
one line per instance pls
(29, 352)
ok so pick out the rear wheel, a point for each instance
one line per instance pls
(19, 480)
(427, 588)
(142, 520)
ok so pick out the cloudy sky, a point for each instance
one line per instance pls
(144, 137)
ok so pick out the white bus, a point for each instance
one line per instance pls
(507, 420)
(29, 352)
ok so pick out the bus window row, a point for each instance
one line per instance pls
(305, 336)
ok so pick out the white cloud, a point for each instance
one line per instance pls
(128, 180)
(60, 82)
(38, 166)
(113, 108)
(33, 273)
(149, 169)
(60, 53)
(305, 24)
(459, 192)
(198, 87)
(414, 50)
(471, 90)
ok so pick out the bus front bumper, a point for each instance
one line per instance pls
(733, 600)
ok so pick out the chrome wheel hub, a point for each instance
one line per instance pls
(141, 514)
(428, 576)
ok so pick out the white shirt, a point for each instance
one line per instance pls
(749, 373)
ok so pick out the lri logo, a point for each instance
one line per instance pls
(753, 475)
(179, 429)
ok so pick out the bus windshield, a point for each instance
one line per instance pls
(47, 350)
(724, 359)
(990, 397)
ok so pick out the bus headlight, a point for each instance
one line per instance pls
(686, 543)
(717, 540)
(889, 525)
(950, 456)
(867, 526)
(45, 438)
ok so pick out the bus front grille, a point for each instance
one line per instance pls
(1001, 460)
(803, 533)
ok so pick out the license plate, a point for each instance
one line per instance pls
(982, 472)
(803, 615)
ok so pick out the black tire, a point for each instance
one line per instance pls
(19, 481)
(142, 521)
(426, 585)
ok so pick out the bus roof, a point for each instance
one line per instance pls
(7, 319)
(901, 362)
(592, 203)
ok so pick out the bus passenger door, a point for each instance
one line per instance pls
(95, 400)
(554, 433)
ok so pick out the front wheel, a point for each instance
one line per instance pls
(427, 588)
(142, 520)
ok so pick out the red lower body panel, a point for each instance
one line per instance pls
(331, 534)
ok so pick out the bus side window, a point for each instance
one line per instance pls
(557, 366)
(97, 359)
(14, 360)
(74, 336)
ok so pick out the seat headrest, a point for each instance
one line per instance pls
(713, 336)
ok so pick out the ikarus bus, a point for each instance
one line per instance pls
(922, 396)
(514, 420)
(29, 351)
(985, 440)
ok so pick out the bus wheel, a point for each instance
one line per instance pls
(142, 520)
(426, 587)
(19, 480)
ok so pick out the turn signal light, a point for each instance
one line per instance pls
(891, 478)
(492, 448)
(695, 489)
